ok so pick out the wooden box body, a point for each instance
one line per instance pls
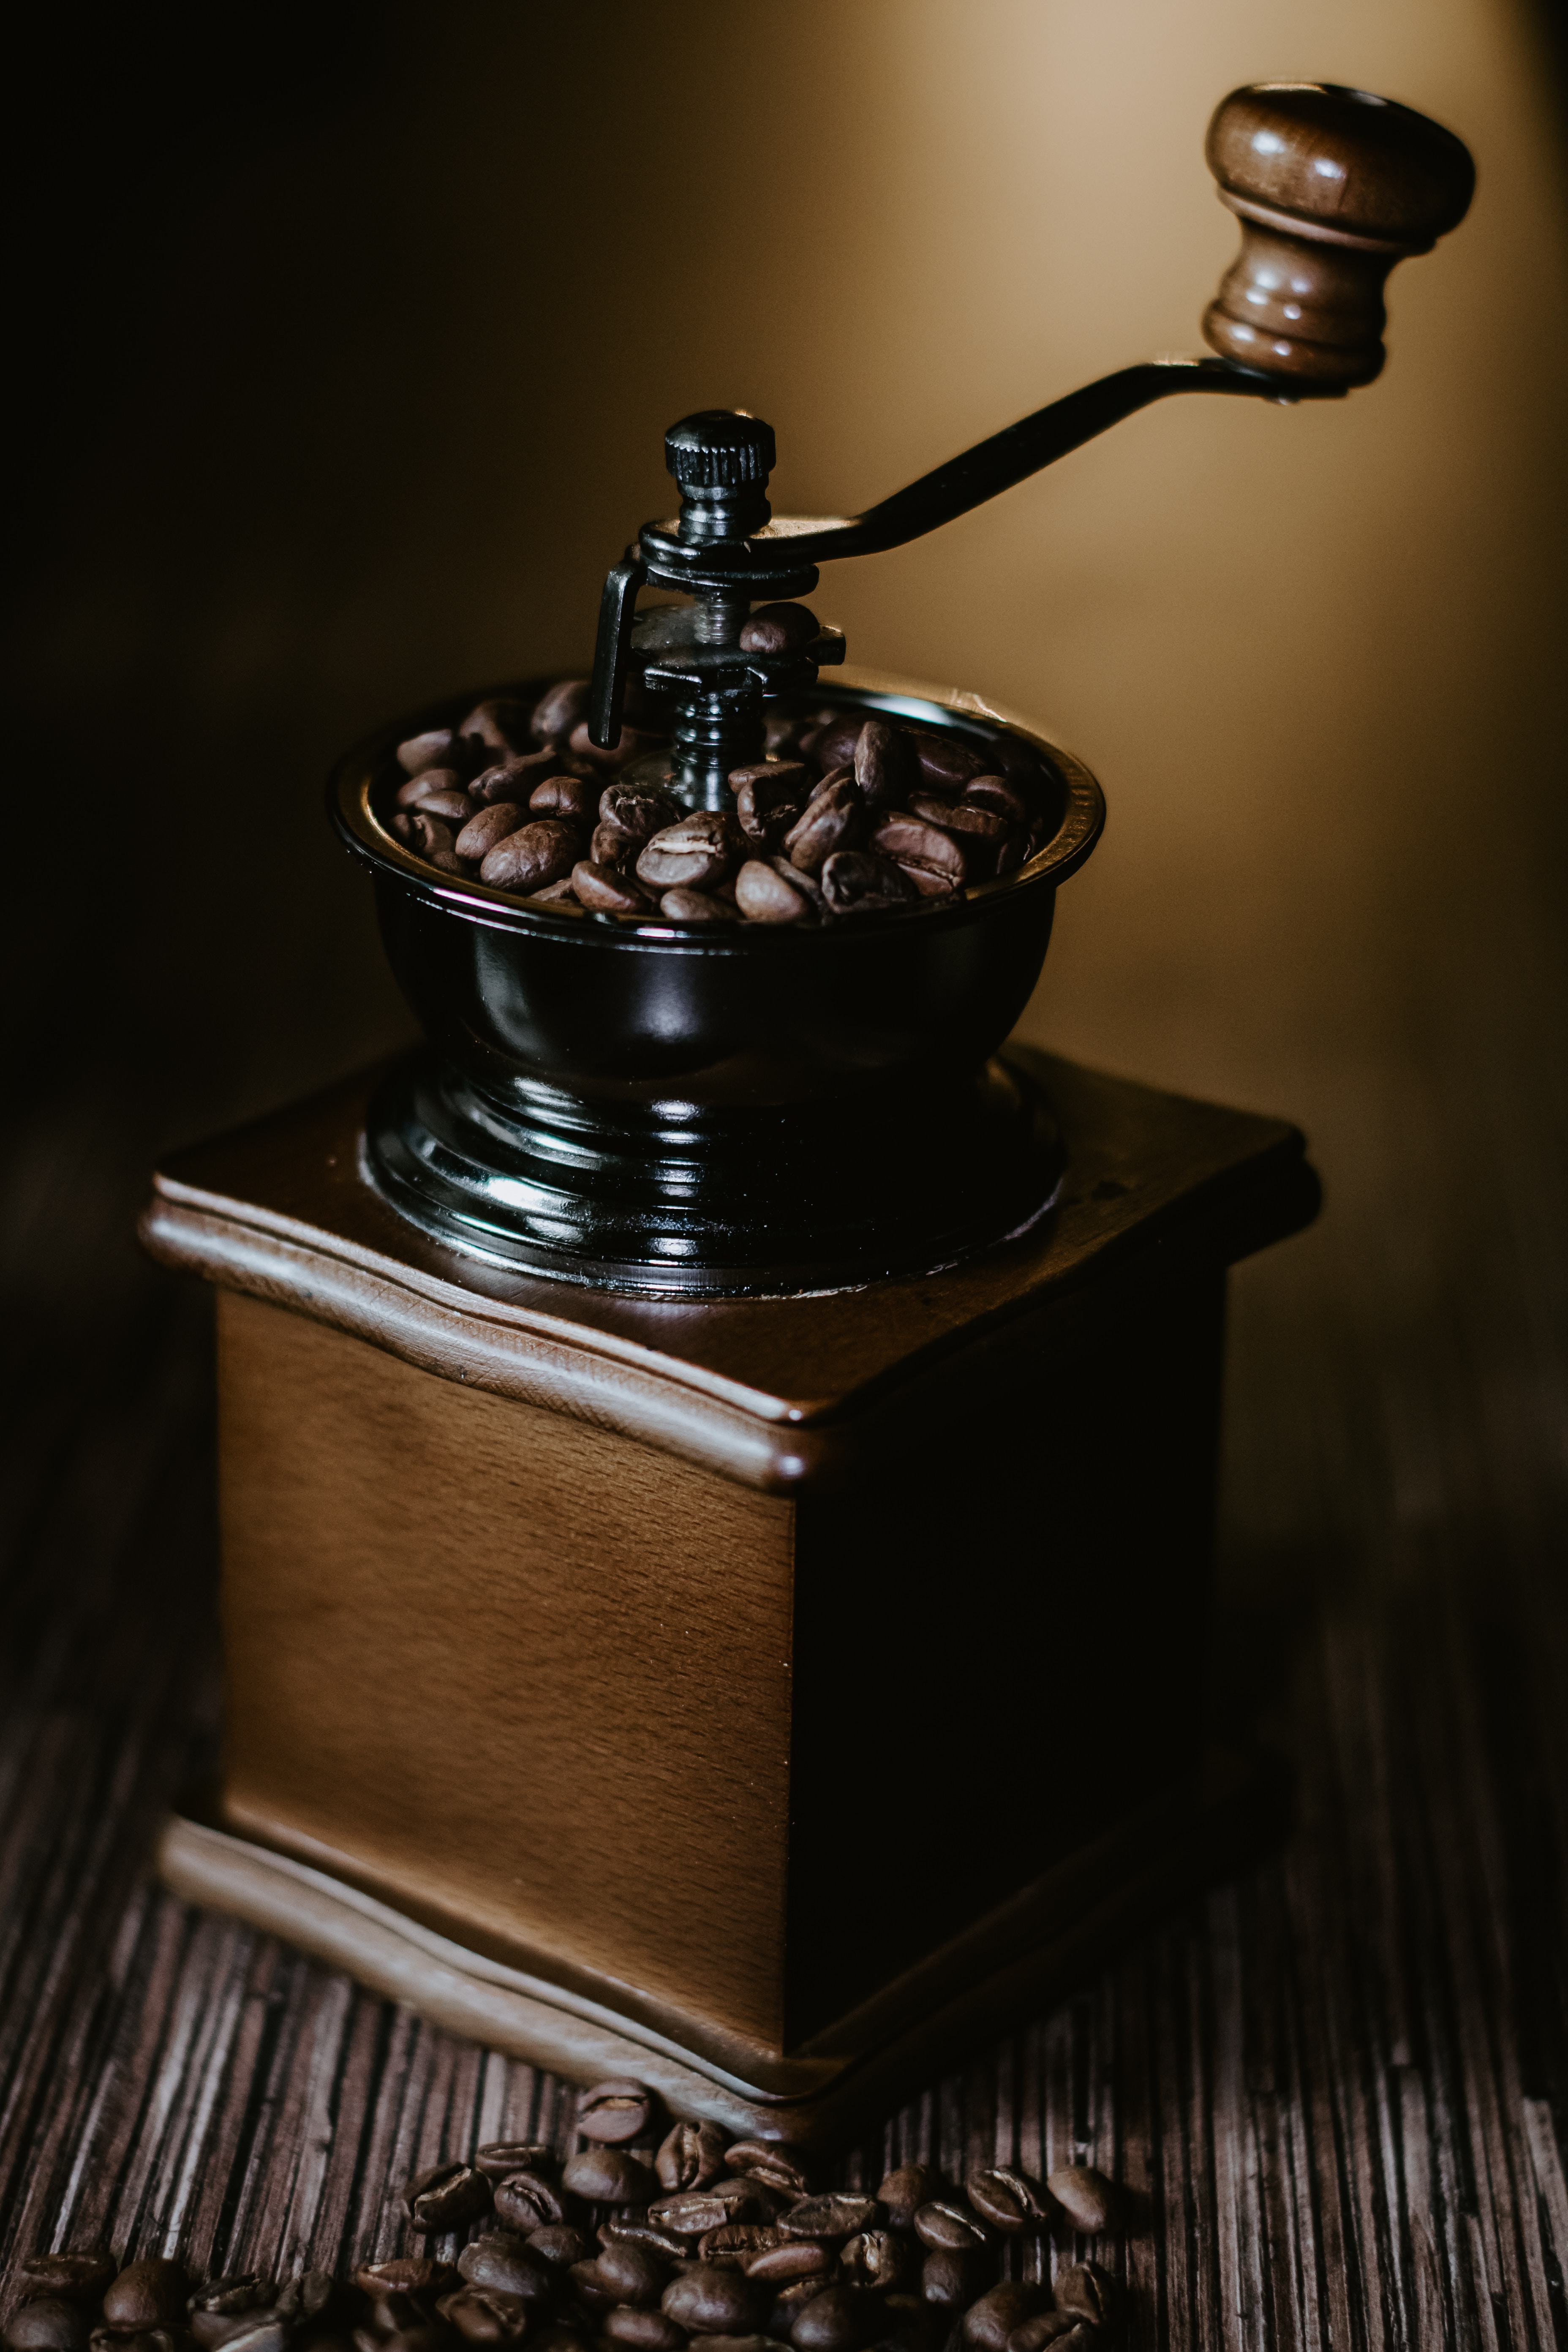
(763, 1680)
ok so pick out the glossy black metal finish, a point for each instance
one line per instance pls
(719, 1108)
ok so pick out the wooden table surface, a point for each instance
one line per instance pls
(1338, 2089)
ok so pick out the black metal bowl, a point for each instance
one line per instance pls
(727, 1108)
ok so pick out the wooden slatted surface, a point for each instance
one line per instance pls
(1338, 2089)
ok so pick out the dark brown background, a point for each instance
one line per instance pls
(343, 341)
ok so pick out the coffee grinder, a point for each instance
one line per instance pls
(693, 1432)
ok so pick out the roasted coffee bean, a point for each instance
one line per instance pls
(451, 808)
(637, 810)
(482, 833)
(944, 2222)
(1090, 2201)
(859, 882)
(691, 2155)
(996, 793)
(946, 764)
(557, 713)
(734, 2244)
(485, 2317)
(433, 749)
(949, 2276)
(981, 834)
(787, 2300)
(790, 2258)
(879, 2257)
(692, 855)
(313, 2300)
(419, 2335)
(256, 2331)
(991, 2319)
(1056, 2327)
(500, 2157)
(615, 2111)
(1088, 2293)
(711, 2300)
(572, 798)
(241, 2291)
(49, 2324)
(627, 2229)
(558, 2339)
(906, 2188)
(526, 2202)
(408, 2274)
(607, 2176)
(501, 724)
(837, 2215)
(559, 2244)
(1009, 2200)
(536, 853)
(592, 2291)
(695, 2211)
(886, 768)
(605, 891)
(771, 2163)
(448, 2197)
(834, 746)
(428, 838)
(556, 893)
(151, 2294)
(631, 743)
(507, 2263)
(836, 818)
(78, 2278)
(836, 2320)
(779, 629)
(515, 778)
(634, 2273)
(929, 856)
(428, 781)
(769, 799)
(697, 906)
(646, 2331)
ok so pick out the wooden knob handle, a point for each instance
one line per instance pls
(1332, 187)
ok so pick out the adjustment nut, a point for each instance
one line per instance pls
(720, 449)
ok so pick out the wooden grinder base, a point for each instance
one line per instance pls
(767, 1697)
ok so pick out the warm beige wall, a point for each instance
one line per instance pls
(407, 404)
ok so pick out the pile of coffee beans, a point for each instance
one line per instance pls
(847, 816)
(725, 2245)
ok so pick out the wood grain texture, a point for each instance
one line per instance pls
(1338, 2088)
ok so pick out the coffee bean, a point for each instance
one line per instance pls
(559, 2339)
(48, 2324)
(630, 744)
(482, 833)
(451, 807)
(594, 2291)
(692, 855)
(1088, 2293)
(607, 2176)
(419, 2335)
(691, 2155)
(150, 2293)
(615, 2111)
(559, 2244)
(240, 2290)
(516, 777)
(765, 896)
(906, 2188)
(1009, 2200)
(428, 838)
(606, 892)
(448, 2197)
(734, 2244)
(996, 793)
(837, 2215)
(834, 746)
(771, 2163)
(946, 764)
(886, 768)
(1090, 2201)
(256, 2331)
(637, 2272)
(695, 2211)
(498, 2157)
(499, 723)
(949, 2276)
(484, 2316)
(646, 2331)
(638, 812)
(879, 2257)
(507, 2263)
(79, 2278)
(860, 882)
(930, 857)
(536, 853)
(558, 711)
(769, 799)
(834, 818)
(313, 2299)
(408, 2274)
(711, 2300)
(989, 2321)
(779, 629)
(1045, 2328)
(697, 906)
(790, 2258)
(981, 833)
(573, 798)
(433, 749)
(944, 2223)
(836, 2320)
(428, 781)
(787, 2300)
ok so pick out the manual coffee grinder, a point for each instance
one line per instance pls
(685, 1427)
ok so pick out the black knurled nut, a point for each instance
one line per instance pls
(720, 448)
